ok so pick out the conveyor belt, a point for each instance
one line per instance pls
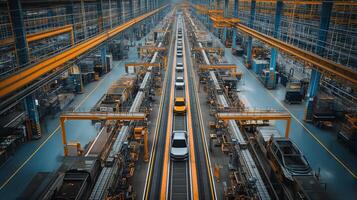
(155, 180)
(237, 135)
(180, 175)
(179, 123)
(106, 176)
(179, 179)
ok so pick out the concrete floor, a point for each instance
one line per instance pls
(320, 146)
(46, 154)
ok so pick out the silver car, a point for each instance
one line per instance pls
(180, 83)
(179, 67)
(179, 149)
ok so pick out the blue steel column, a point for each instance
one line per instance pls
(235, 15)
(274, 51)
(70, 18)
(226, 3)
(325, 15)
(19, 32)
(250, 39)
(120, 11)
(101, 29)
(17, 20)
(100, 16)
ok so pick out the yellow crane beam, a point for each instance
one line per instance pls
(144, 64)
(31, 73)
(209, 67)
(128, 116)
(152, 48)
(258, 115)
(318, 62)
(209, 49)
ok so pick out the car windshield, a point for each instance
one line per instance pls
(179, 143)
(179, 103)
(179, 80)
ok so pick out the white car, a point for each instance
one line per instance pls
(180, 83)
(179, 54)
(179, 67)
(179, 149)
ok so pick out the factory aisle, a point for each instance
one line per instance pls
(340, 183)
(46, 154)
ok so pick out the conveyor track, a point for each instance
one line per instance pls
(180, 175)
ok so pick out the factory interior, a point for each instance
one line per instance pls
(178, 99)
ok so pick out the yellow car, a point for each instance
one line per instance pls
(180, 105)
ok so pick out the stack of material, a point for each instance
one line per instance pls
(118, 93)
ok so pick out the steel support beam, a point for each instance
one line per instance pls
(25, 77)
(258, 115)
(317, 62)
(130, 116)
(250, 39)
(120, 11)
(70, 20)
(235, 14)
(274, 51)
(226, 3)
(19, 32)
(100, 16)
(325, 14)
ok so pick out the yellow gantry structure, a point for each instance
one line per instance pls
(257, 115)
(319, 63)
(125, 116)
(144, 64)
(210, 67)
(31, 73)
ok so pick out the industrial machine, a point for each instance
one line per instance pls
(348, 132)
(323, 110)
(293, 94)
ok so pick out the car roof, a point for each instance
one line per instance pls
(179, 135)
(180, 99)
(179, 77)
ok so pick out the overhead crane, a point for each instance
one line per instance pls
(143, 64)
(257, 115)
(209, 49)
(319, 63)
(33, 72)
(128, 116)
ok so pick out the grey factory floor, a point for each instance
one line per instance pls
(46, 154)
(320, 146)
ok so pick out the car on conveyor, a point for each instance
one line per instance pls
(179, 67)
(180, 105)
(180, 83)
(179, 149)
(287, 159)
